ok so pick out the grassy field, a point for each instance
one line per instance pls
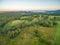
(32, 29)
(57, 36)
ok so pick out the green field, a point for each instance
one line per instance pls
(34, 29)
(57, 36)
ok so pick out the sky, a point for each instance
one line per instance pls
(17, 5)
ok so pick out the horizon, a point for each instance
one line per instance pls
(26, 5)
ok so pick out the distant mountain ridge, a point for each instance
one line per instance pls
(35, 11)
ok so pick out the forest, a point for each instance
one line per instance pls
(32, 29)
